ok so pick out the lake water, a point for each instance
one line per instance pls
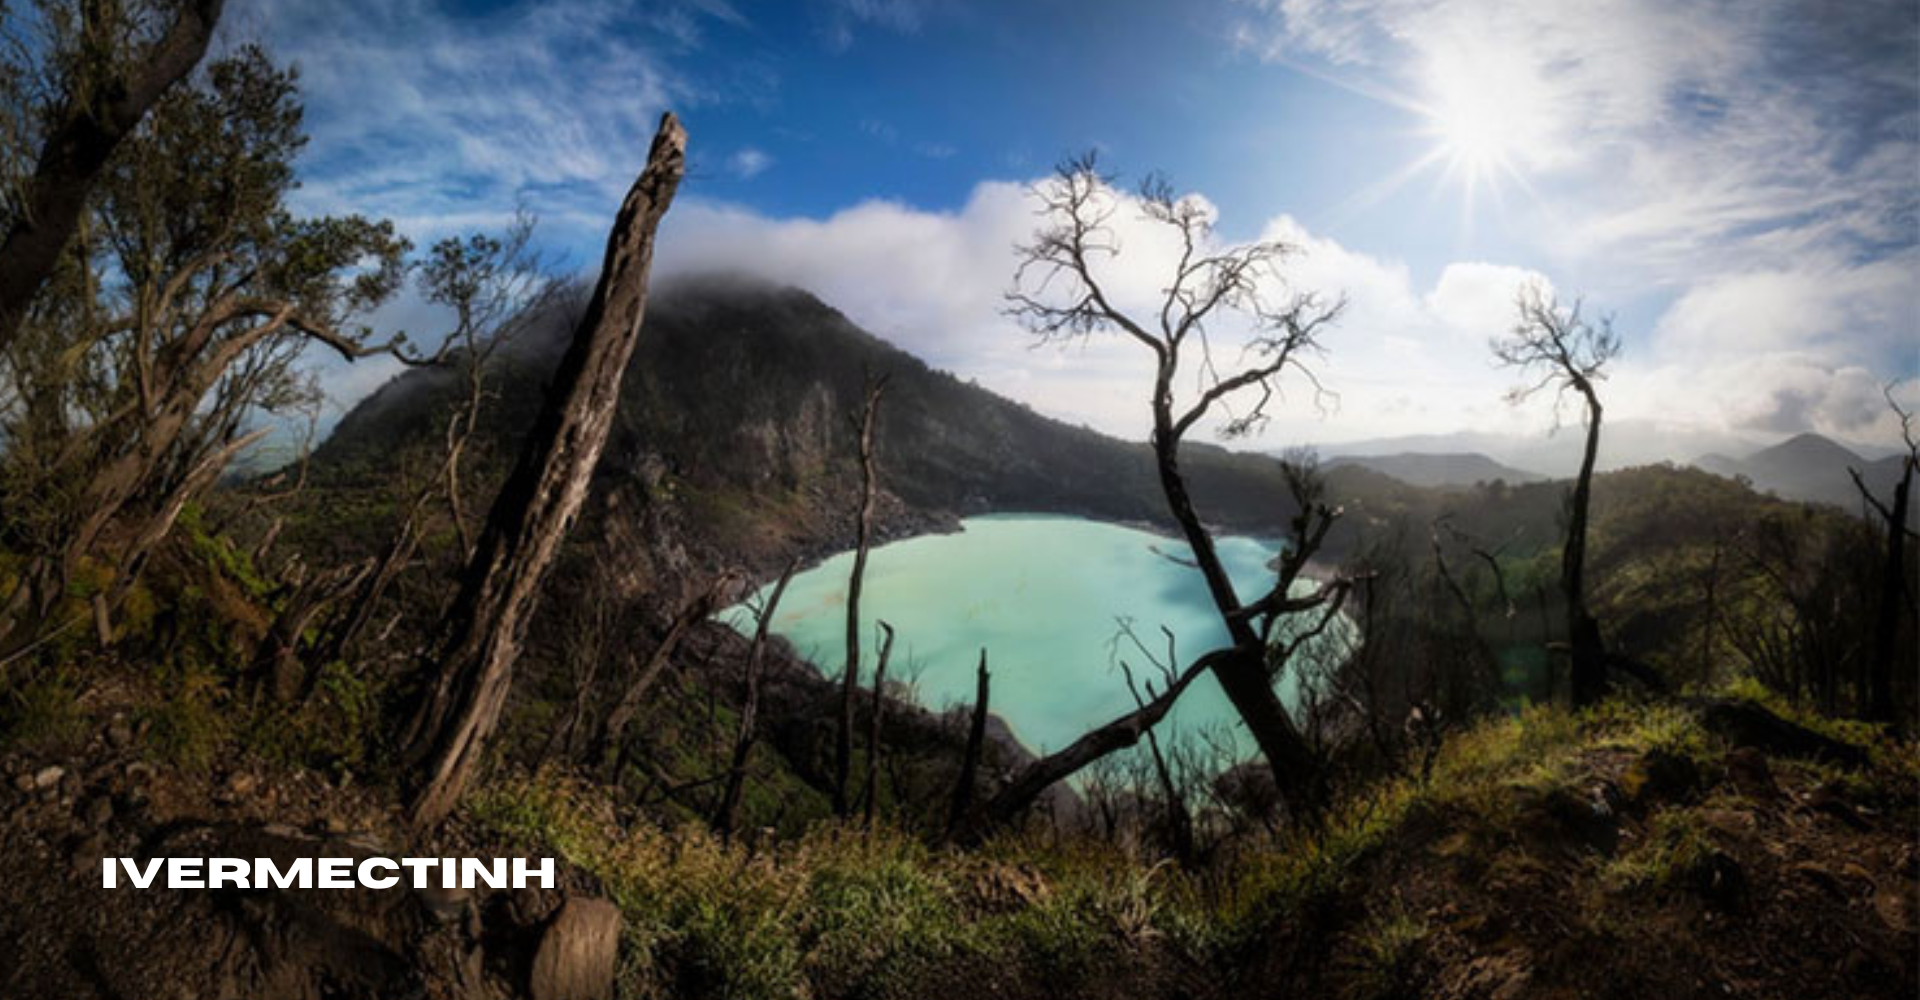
(1044, 596)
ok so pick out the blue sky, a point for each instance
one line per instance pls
(1734, 179)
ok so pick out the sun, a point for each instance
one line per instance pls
(1473, 133)
(1487, 118)
(1485, 113)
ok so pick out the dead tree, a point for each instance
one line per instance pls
(1179, 818)
(278, 668)
(960, 815)
(692, 612)
(871, 794)
(1035, 778)
(496, 288)
(482, 630)
(106, 96)
(1569, 355)
(1059, 295)
(863, 534)
(748, 731)
(1894, 602)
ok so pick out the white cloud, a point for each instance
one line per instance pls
(1402, 359)
(1477, 298)
(418, 116)
(1832, 310)
(748, 163)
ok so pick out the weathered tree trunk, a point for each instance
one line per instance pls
(748, 731)
(871, 793)
(1894, 600)
(960, 816)
(1242, 674)
(81, 138)
(1589, 654)
(482, 630)
(863, 529)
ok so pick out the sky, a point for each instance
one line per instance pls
(1734, 182)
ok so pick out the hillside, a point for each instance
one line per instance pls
(743, 386)
(1438, 470)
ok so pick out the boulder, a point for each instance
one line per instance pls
(578, 952)
(1661, 775)
(1749, 772)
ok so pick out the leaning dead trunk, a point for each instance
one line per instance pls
(1243, 676)
(961, 815)
(482, 630)
(697, 609)
(1123, 732)
(749, 710)
(850, 677)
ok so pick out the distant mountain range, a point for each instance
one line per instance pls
(1623, 444)
(1457, 471)
(1808, 467)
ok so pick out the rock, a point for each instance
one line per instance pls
(87, 854)
(1661, 775)
(48, 776)
(1828, 798)
(242, 784)
(578, 952)
(1749, 772)
(23, 782)
(1721, 880)
(1557, 814)
(1745, 724)
(444, 905)
(1819, 876)
(98, 811)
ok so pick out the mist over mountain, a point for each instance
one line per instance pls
(1437, 470)
(1556, 452)
(744, 391)
(1809, 467)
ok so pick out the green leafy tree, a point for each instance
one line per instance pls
(175, 321)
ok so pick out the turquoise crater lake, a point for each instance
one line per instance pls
(1044, 595)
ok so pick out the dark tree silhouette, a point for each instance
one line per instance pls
(749, 729)
(863, 537)
(1059, 294)
(870, 796)
(1895, 600)
(1570, 355)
